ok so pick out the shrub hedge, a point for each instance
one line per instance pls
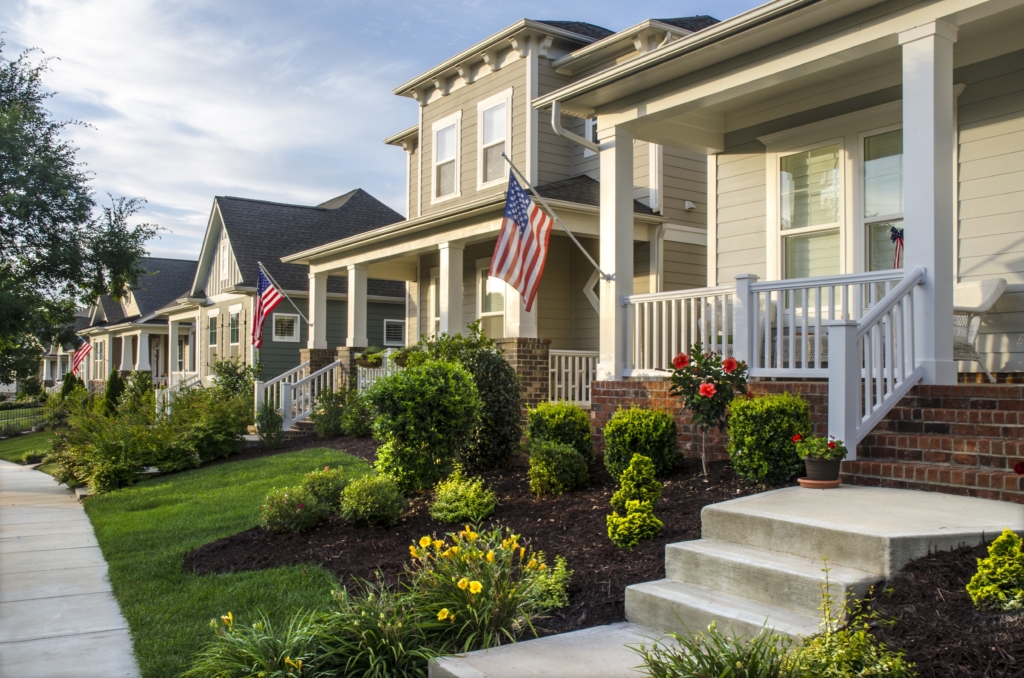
(761, 434)
(639, 430)
(562, 422)
(372, 501)
(556, 468)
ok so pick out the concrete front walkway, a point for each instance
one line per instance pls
(58, 616)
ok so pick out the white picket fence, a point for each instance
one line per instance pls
(570, 375)
(365, 376)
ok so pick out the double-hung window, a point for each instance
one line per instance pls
(233, 328)
(494, 124)
(810, 206)
(446, 158)
(490, 301)
(212, 319)
(883, 197)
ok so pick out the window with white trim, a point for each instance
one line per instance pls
(233, 328)
(286, 326)
(883, 197)
(394, 333)
(446, 158)
(490, 301)
(224, 259)
(590, 134)
(494, 124)
(212, 319)
(810, 197)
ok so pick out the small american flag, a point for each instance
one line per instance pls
(896, 235)
(267, 299)
(522, 247)
(79, 357)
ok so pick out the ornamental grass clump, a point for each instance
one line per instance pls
(640, 430)
(326, 485)
(556, 468)
(292, 509)
(462, 499)
(999, 582)
(486, 588)
(763, 433)
(372, 501)
(561, 422)
(713, 653)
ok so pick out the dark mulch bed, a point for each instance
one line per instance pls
(572, 525)
(937, 625)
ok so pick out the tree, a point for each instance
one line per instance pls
(55, 255)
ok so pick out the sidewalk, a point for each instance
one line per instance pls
(58, 616)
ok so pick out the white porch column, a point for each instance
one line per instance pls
(172, 348)
(142, 353)
(356, 336)
(317, 311)
(929, 136)
(127, 363)
(451, 287)
(616, 250)
(47, 370)
(519, 322)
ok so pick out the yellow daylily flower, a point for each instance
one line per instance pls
(542, 566)
(413, 552)
(425, 542)
(463, 583)
(532, 564)
(443, 614)
(522, 552)
(454, 550)
(228, 619)
(438, 544)
(490, 556)
(475, 587)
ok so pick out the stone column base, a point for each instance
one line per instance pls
(529, 358)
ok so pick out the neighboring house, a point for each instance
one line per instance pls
(472, 108)
(211, 317)
(128, 335)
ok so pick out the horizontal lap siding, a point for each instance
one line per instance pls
(554, 297)
(741, 212)
(585, 322)
(555, 152)
(684, 177)
(642, 172)
(641, 267)
(684, 266)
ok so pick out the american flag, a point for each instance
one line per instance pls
(79, 357)
(896, 235)
(267, 299)
(522, 247)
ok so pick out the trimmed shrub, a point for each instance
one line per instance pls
(639, 524)
(356, 415)
(113, 391)
(761, 432)
(712, 653)
(639, 430)
(426, 416)
(68, 385)
(30, 388)
(206, 424)
(326, 485)
(562, 422)
(372, 501)
(556, 468)
(268, 425)
(999, 582)
(554, 585)
(138, 386)
(460, 499)
(234, 378)
(328, 413)
(637, 483)
(291, 509)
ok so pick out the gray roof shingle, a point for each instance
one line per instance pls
(691, 23)
(579, 28)
(164, 281)
(583, 190)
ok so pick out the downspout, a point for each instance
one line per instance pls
(556, 124)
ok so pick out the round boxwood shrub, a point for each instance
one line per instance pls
(372, 501)
(639, 430)
(326, 485)
(291, 509)
(562, 422)
(459, 498)
(556, 468)
(761, 434)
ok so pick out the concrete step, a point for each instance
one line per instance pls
(686, 608)
(780, 579)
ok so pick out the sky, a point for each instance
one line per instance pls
(288, 102)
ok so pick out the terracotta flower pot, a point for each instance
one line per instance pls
(822, 469)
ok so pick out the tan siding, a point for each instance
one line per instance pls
(685, 266)
(555, 153)
(214, 282)
(641, 267)
(741, 215)
(554, 297)
(684, 177)
(585, 321)
(642, 172)
(583, 162)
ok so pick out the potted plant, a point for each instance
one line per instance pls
(370, 358)
(822, 459)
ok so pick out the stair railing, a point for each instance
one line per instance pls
(299, 398)
(272, 390)
(872, 364)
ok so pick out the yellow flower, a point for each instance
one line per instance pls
(454, 550)
(532, 564)
(475, 587)
(424, 542)
(295, 665)
(472, 535)
(542, 566)
(228, 619)
(443, 614)
(490, 556)
(522, 552)
(438, 544)
(412, 551)
(463, 583)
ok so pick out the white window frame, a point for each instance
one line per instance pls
(212, 316)
(859, 219)
(590, 134)
(481, 266)
(225, 260)
(453, 119)
(390, 321)
(236, 318)
(487, 104)
(278, 337)
(847, 130)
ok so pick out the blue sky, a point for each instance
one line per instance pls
(279, 101)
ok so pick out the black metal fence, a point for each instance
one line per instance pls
(20, 419)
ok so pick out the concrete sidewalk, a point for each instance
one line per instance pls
(58, 616)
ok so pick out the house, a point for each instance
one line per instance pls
(128, 335)
(471, 108)
(210, 318)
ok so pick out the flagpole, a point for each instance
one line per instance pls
(283, 293)
(555, 217)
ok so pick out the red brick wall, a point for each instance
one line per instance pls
(529, 358)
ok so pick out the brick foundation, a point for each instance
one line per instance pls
(347, 355)
(318, 358)
(529, 358)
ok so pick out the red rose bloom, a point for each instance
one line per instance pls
(707, 390)
(797, 438)
(681, 361)
(1019, 468)
(729, 365)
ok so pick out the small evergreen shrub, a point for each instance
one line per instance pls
(268, 425)
(556, 468)
(137, 387)
(112, 393)
(291, 509)
(637, 483)
(326, 485)
(712, 653)
(639, 524)
(761, 437)
(233, 378)
(999, 582)
(356, 415)
(71, 380)
(328, 413)
(554, 585)
(639, 430)
(460, 499)
(562, 422)
(372, 501)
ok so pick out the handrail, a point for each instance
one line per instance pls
(826, 281)
(889, 301)
(316, 374)
(681, 294)
(287, 374)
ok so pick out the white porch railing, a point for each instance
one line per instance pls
(570, 375)
(365, 376)
(298, 398)
(272, 390)
(874, 364)
(178, 382)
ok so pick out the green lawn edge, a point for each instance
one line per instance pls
(15, 448)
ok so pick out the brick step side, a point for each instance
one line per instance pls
(973, 482)
(990, 453)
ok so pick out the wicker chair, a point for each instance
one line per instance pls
(971, 301)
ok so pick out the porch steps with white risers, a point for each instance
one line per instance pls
(758, 564)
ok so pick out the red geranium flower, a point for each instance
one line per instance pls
(707, 390)
(681, 361)
(301, 506)
(797, 438)
(729, 365)
(1019, 468)
(831, 444)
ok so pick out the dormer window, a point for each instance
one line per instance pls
(494, 123)
(446, 157)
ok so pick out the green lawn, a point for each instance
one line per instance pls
(145, 531)
(15, 449)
